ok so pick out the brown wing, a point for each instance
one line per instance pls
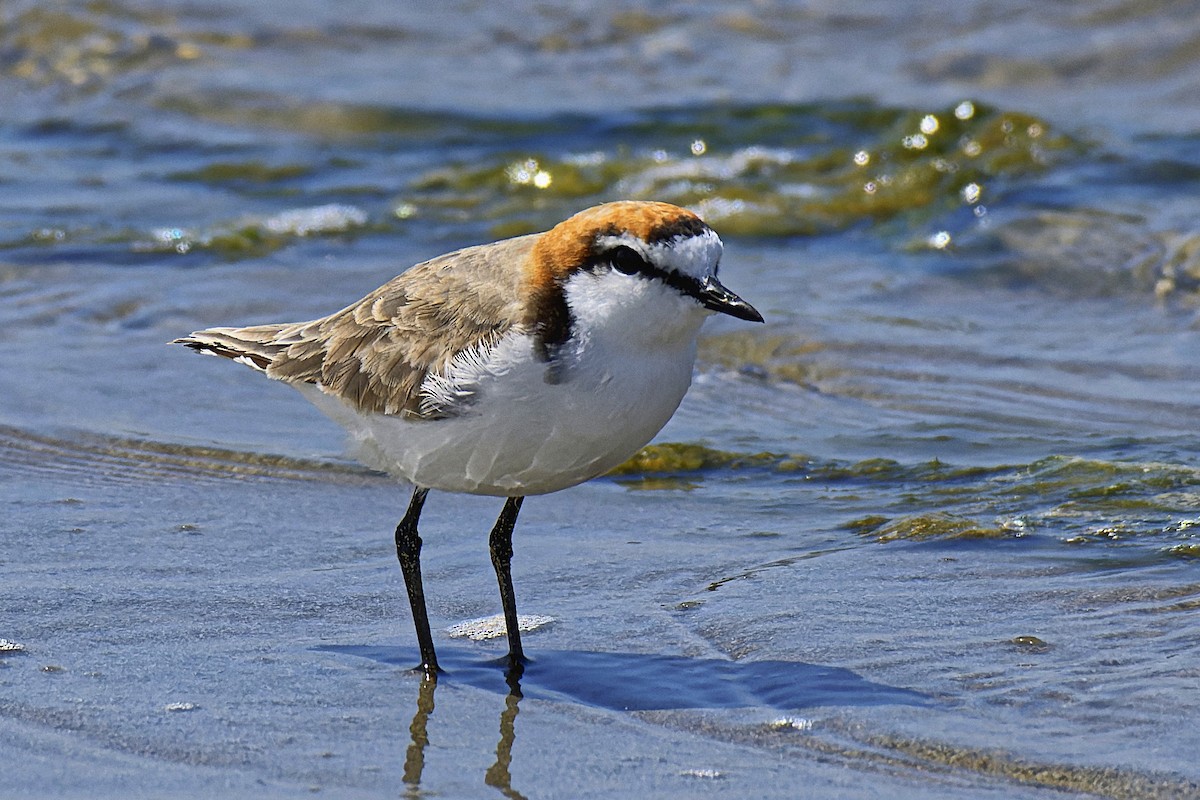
(376, 353)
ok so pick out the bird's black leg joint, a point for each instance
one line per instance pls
(500, 543)
(408, 552)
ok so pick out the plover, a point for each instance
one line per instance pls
(509, 369)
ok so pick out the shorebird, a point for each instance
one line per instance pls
(515, 368)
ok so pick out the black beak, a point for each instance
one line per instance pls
(715, 297)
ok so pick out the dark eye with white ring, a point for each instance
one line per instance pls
(627, 261)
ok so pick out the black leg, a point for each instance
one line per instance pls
(502, 550)
(408, 551)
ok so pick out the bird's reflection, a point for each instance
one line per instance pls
(626, 682)
(498, 775)
(414, 759)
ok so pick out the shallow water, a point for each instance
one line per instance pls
(931, 532)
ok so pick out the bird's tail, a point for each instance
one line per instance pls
(256, 347)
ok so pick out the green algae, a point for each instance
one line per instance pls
(885, 469)
(245, 172)
(923, 527)
(254, 237)
(85, 50)
(865, 526)
(655, 464)
(1090, 252)
(771, 170)
(1085, 501)
(1030, 644)
(674, 457)
(777, 356)
(1185, 550)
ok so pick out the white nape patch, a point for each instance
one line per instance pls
(695, 256)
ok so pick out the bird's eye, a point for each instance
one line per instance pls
(626, 260)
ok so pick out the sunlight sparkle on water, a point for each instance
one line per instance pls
(529, 173)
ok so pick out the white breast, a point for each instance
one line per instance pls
(622, 376)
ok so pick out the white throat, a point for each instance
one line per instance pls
(629, 314)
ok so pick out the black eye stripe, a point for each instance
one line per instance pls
(626, 260)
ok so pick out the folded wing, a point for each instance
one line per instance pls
(377, 353)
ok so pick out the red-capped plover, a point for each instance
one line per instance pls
(519, 367)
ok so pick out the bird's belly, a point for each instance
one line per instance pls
(524, 435)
